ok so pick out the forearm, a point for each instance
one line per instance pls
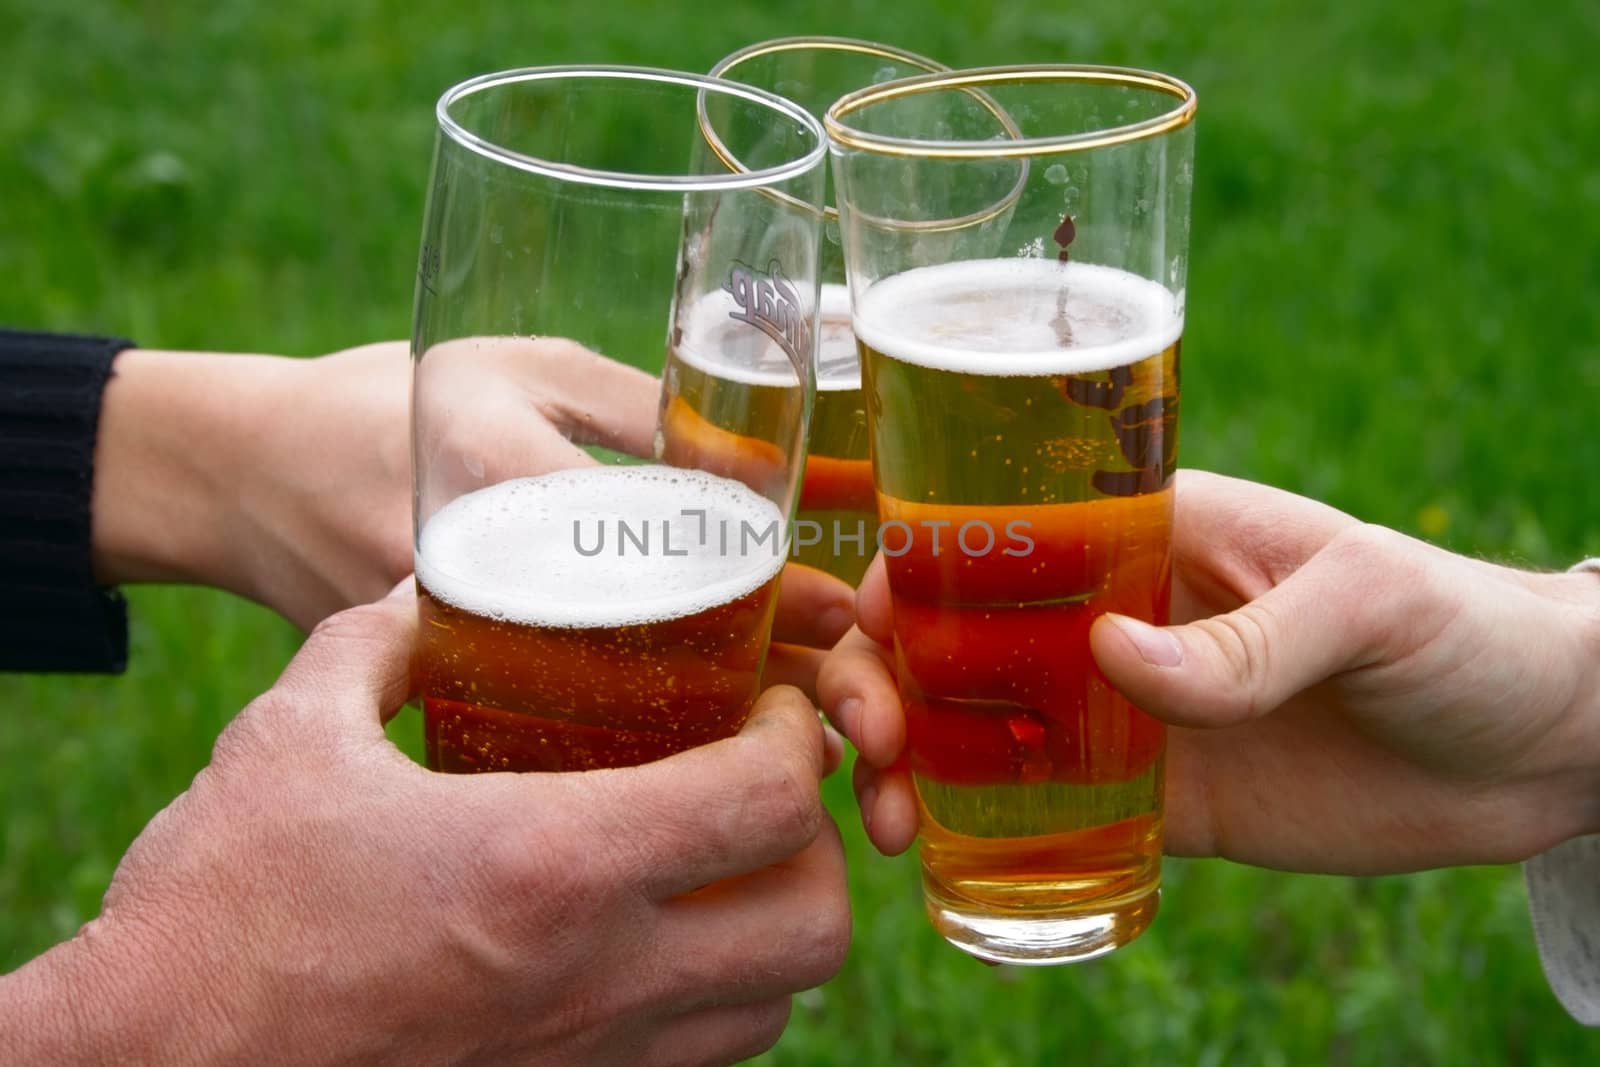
(171, 462)
(286, 481)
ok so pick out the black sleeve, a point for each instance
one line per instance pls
(52, 615)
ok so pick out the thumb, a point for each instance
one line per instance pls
(1238, 666)
(356, 665)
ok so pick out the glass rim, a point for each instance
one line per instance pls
(841, 134)
(823, 43)
(610, 179)
(805, 43)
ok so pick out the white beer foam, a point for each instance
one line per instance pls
(507, 552)
(722, 347)
(1001, 317)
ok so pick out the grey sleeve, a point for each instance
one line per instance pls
(1564, 900)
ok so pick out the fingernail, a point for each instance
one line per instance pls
(1156, 647)
(850, 709)
(868, 800)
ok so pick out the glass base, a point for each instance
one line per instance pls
(1039, 938)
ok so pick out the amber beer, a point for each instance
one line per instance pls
(721, 400)
(593, 617)
(1023, 415)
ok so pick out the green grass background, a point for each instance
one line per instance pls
(1392, 306)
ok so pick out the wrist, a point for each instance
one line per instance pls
(1582, 593)
(1569, 654)
(175, 428)
(92, 1000)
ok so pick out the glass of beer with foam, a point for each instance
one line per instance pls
(837, 523)
(586, 599)
(1021, 377)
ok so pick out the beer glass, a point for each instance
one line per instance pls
(585, 603)
(1021, 373)
(837, 523)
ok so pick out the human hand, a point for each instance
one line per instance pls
(583, 399)
(315, 896)
(1346, 699)
(288, 481)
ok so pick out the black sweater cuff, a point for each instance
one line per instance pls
(53, 617)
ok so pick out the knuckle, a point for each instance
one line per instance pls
(1396, 576)
(810, 929)
(828, 928)
(1368, 551)
(738, 1035)
(767, 1022)
(786, 695)
(363, 623)
(1243, 640)
(788, 800)
(828, 941)
(1363, 541)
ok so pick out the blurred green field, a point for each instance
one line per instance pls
(1392, 307)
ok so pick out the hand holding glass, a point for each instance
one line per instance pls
(583, 604)
(1019, 303)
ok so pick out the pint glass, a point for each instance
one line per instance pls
(836, 526)
(584, 603)
(1021, 373)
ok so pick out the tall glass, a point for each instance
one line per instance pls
(836, 526)
(1022, 393)
(585, 603)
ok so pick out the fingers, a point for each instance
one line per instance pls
(832, 750)
(857, 690)
(1332, 615)
(798, 667)
(775, 931)
(873, 610)
(356, 665)
(888, 803)
(793, 665)
(720, 810)
(595, 399)
(814, 608)
(533, 405)
(718, 1035)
